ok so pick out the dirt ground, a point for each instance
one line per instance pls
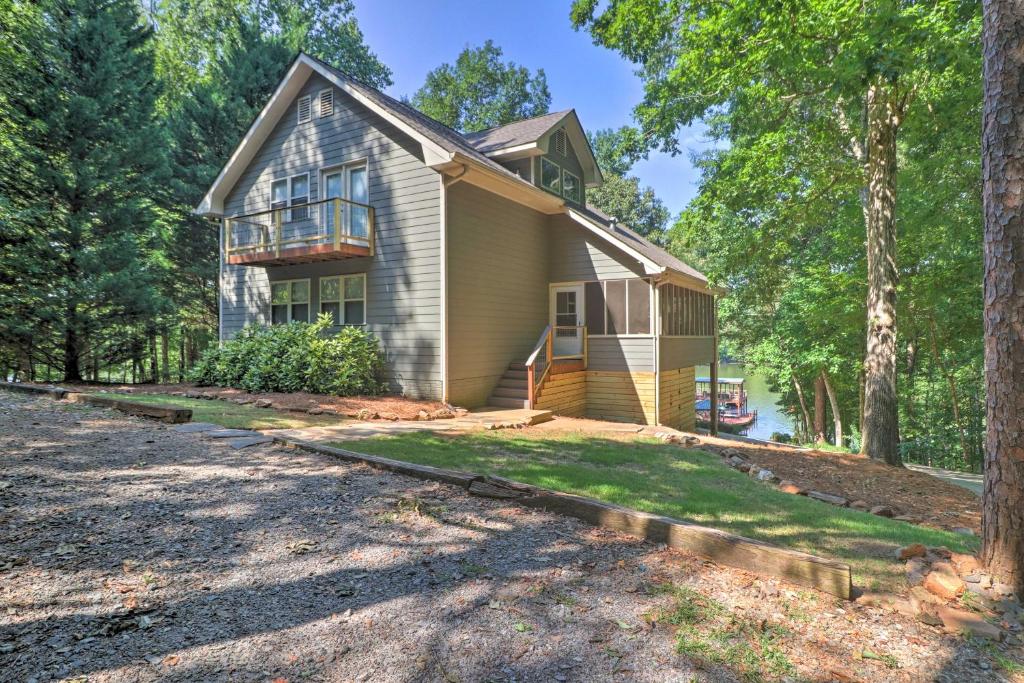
(931, 501)
(404, 408)
(131, 552)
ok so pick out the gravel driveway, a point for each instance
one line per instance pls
(131, 552)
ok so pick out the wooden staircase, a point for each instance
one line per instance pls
(512, 390)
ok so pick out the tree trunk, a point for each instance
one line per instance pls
(819, 409)
(803, 405)
(165, 356)
(881, 418)
(837, 420)
(154, 365)
(954, 395)
(1003, 194)
(72, 371)
(181, 355)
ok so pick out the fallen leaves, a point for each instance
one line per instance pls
(301, 547)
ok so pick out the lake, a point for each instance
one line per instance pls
(770, 417)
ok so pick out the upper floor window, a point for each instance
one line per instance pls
(344, 298)
(291, 192)
(305, 107)
(289, 301)
(570, 186)
(326, 99)
(550, 175)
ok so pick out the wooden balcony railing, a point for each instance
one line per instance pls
(557, 342)
(320, 231)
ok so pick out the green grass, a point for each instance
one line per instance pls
(231, 415)
(663, 479)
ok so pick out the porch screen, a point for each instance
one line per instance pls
(617, 307)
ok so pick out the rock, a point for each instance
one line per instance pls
(766, 475)
(910, 519)
(965, 564)
(444, 414)
(736, 461)
(388, 416)
(830, 498)
(1002, 589)
(941, 551)
(423, 415)
(788, 486)
(962, 530)
(943, 581)
(732, 453)
(882, 511)
(263, 403)
(754, 469)
(922, 598)
(744, 466)
(316, 411)
(912, 550)
(861, 505)
(962, 621)
(916, 570)
(365, 414)
(980, 579)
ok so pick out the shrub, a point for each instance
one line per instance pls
(295, 357)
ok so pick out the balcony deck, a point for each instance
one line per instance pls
(327, 230)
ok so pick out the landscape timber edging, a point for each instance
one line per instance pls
(163, 413)
(829, 576)
(54, 392)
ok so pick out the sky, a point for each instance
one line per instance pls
(414, 36)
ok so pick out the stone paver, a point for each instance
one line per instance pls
(193, 427)
(247, 441)
(229, 433)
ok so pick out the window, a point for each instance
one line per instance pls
(618, 307)
(686, 312)
(326, 99)
(289, 301)
(292, 191)
(550, 175)
(570, 187)
(349, 182)
(344, 298)
(305, 106)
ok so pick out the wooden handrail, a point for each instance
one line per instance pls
(336, 233)
(541, 343)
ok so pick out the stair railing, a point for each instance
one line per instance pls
(532, 380)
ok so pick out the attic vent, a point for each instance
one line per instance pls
(326, 102)
(560, 141)
(305, 109)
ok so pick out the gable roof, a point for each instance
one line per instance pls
(515, 133)
(441, 147)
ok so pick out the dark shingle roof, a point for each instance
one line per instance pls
(515, 133)
(634, 239)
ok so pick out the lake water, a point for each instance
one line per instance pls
(770, 417)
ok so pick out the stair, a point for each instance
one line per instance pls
(512, 390)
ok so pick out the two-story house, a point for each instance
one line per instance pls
(473, 258)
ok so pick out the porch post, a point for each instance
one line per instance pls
(714, 368)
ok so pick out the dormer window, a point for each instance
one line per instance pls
(550, 175)
(570, 186)
(305, 107)
(326, 99)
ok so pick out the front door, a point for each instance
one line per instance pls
(567, 321)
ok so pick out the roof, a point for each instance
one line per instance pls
(515, 133)
(721, 380)
(641, 244)
(444, 142)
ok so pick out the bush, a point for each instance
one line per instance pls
(296, 357)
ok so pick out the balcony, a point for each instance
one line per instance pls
(327, 230)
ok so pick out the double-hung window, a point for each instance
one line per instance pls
(291, 192)
(289, 301)
(343, 297)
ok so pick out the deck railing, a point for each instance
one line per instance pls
(337, 222)
(544, 354)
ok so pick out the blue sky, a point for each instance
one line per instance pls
(414, 36)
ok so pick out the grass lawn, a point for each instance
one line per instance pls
(231, 415)
(648, 475)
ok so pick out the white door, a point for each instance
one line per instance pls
(332, 190)
(567, 320)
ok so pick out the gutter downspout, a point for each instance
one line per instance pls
(443, 219)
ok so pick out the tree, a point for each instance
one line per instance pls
(480, 91)
(621, 195)
(848, 73)
(1003, 159)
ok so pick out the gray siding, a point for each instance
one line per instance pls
(568, 161)
(403, 277)
(676, 352)
(621, 354)
(578, 255)
(497, 288)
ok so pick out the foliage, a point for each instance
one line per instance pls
(621, 195)
(480, 91)
(296, 357)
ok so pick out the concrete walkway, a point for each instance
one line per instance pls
(483, 418)
(967, 480)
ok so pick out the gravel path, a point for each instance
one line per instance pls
(130, 552)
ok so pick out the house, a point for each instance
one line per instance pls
(473, 258)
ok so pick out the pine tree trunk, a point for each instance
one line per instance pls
(154, 364)
(72, 371)
(819, 409)
(881, 419)
(181, 355)
(1003, 194)
(837, 420)
(165, 357)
